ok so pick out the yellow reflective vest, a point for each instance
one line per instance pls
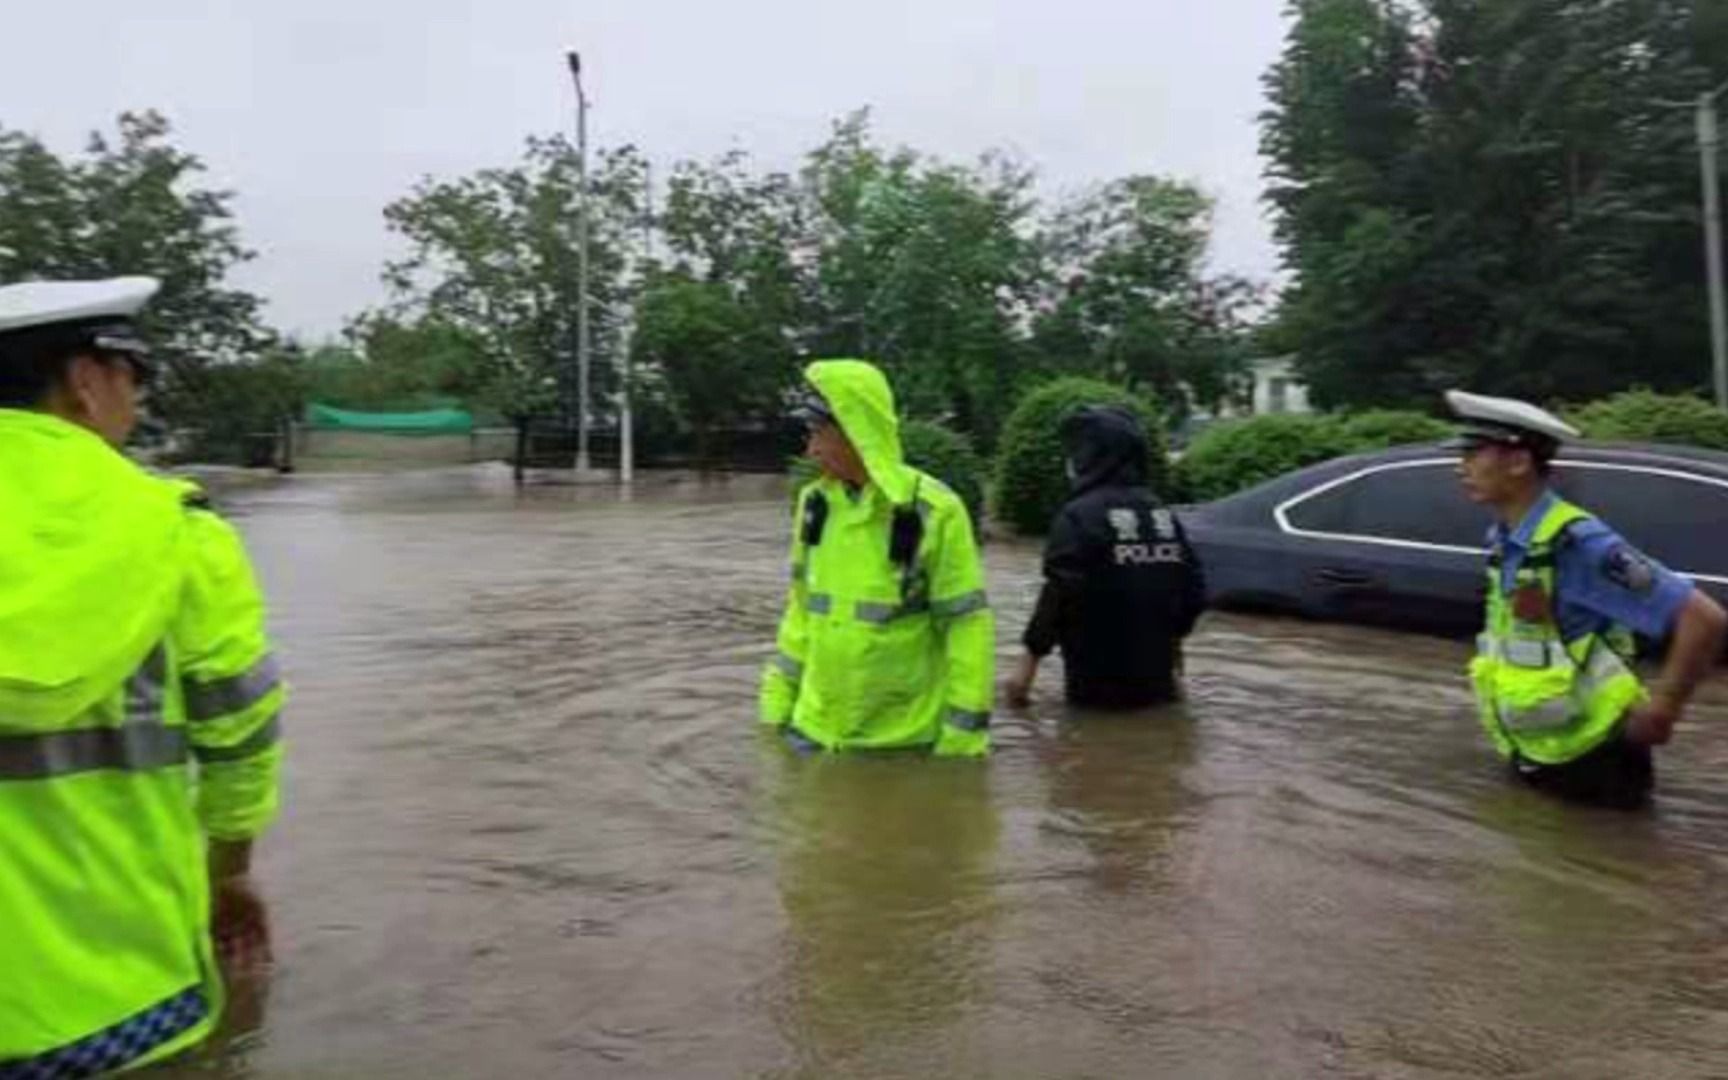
(138, 716)
(874, 655)
(1541, 698)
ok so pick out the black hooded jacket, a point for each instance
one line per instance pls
(1122, 588)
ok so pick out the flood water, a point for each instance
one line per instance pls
(533, 830)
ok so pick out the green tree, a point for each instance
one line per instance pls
(1490, 194)
(924, 267)
(424, 363)
(721, 363)
(751, 233)
(1342, 117)
(493, 255)
(244, 407)
(1128, 300)
(131, 204)
(745, 239)
(937, 271)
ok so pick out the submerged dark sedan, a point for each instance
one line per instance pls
(1389, 537)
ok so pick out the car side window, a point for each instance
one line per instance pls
(1415, 503)
(1680, 521)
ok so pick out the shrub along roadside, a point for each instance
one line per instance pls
(1641, 416)
(1238, 454)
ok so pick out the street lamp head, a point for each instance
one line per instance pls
(575, 59)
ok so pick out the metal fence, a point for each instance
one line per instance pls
(548, 446)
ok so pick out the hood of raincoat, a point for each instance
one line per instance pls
(859, 396)
(1105, 446)
(88, 579)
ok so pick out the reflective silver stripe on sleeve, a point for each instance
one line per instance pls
(819, 604)
(222, 697)
(251, 746)
(789, 667)
(964, 604)
(146, 689)
(871, 612)
(133, 747)
(966, 720)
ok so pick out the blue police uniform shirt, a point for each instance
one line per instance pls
(1600, 578)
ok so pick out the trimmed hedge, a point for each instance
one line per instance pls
(1238, 454)
(1641, 416)
(944, 454)
(1031, 483)
(1235, 455)
(1391, 427)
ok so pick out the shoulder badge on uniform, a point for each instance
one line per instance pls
(1628, 569)
(1164, 523)
(1126, 523)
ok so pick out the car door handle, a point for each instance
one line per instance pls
(1332, 575)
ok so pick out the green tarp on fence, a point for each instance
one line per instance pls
(433, 422)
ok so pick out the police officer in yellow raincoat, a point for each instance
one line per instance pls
(139, 746)
(887, 641)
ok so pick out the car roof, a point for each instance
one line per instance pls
(1693, 459)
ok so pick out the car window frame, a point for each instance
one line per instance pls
(1281, 512)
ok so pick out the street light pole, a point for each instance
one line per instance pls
(581, 266)
(626, 422)
(1709, 137)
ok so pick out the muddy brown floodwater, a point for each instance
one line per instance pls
(533, 831)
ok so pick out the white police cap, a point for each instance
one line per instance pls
(1505, 420)
(33, 304)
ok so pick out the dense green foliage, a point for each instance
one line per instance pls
(1233, 455)
(493, 256)
(130, 205)
(952, 277)
(1380, 428)
(1641, 416)
(720, 365)
(1137, 311)
(1491, 194)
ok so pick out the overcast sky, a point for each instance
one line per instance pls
(319, 112)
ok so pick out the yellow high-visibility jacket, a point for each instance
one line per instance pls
(138, 717)
(873, 655)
